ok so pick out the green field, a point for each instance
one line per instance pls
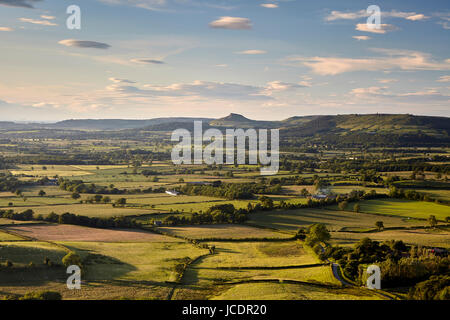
(291, 220)
(22, 253)
(424, 237)
(219, 231)
(405, 208)
(152, 262)
(8, 237)
(289, 291)
(259, 254)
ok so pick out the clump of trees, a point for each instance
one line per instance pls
(435, 288)
(231, 190)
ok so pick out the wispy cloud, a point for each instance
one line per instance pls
(84, 44)
(117, 80)
(443, 79)
(354, 15)
(383, 28)
(48, 17)
(147, 61)
(359, 38)
(251, 52)
(7, 29)
(390, 60)
(269, 5)
(232, 23)
(19, 3)
(40, 22)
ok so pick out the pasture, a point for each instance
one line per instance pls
(223, 231)
(63, 232)
(259, 254)
(291, 220)
(290, 291)
(153, 262)
(405, 208)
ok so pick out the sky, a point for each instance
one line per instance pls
(265, 59)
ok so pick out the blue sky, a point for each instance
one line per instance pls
(265, 59)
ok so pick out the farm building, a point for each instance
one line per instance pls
(172, 192)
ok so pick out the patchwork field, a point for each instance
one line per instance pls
(153, 262)
(223, 232)
(291, 220)
(259, 254)
(8, 237)
(91, 210)
(405, 208)
(427, 237)
(64, 232)
(22, 253)
(289, 291)
(212, 276)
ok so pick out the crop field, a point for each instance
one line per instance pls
(50, 171)
(24, 252)
(212, 276)
(8, 237)
(291, 220)
(405, 208)
(425, 237)
(134, 261)
(290, 291)
(91, 210)
(56, 232)
(259, 254)
(225, 231)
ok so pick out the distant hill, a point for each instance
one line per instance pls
(116, 124)
(239, 121)
(338, 130)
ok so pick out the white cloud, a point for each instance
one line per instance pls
(154, 5)
(6, 29)
(269, 5)
(41, 22)
(340, 15)
(117, 80)
(232, 23)
(84, 44)
(251, 52)
(387, 80)
(48, 17)
(417, 17)
(391, 60)
(444, 79)
(359, 38)
(383, 28)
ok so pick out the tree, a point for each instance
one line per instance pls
(357, 208)
(121, 201)
(266, 202)
(76, 195)
(41, 193)
(379, 225)
(432, 221)
(342, 205)
(98, 198)
(71, 259)
(317, 233)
